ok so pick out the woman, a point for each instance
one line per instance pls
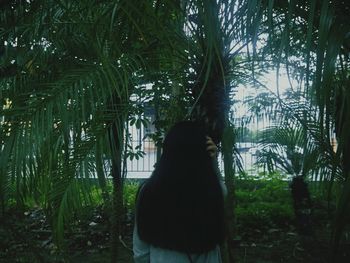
(179, 212)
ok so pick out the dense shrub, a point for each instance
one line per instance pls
(263, 203)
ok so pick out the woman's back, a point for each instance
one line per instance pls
(180, 208)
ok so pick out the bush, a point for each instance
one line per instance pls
(264, 215)
(263, 204)
(130, 191)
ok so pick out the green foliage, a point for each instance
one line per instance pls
(246, 135)
(289, 148)
(67, 87)
(68, 69)
(263, 203)
(129, 192)
(264, 215)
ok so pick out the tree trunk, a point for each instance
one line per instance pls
(116, 144)
(229, 170)
(100, 174)
(302, 205)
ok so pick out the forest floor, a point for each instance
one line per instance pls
(25, 237)
(265, 225)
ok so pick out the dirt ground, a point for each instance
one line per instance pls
(26, 238)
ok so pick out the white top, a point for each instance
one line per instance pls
(146, 253)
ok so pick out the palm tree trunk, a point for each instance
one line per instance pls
(302, 205)
(227, 151)
(116, 135)
(100, 174)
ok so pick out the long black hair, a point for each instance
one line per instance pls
(181, 206)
